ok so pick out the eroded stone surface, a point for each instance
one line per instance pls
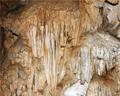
(60, 52)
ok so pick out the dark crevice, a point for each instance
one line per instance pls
(114, 4)
(12, 7)
(9, 30)
(16, 8)
(3, 51)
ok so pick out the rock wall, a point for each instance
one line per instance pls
(53, 48)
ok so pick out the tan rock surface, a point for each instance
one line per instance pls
(55, 49)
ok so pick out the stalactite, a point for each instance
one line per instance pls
(58, 50)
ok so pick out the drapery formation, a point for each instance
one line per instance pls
(54, 49)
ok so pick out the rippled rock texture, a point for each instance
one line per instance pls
(60, 48)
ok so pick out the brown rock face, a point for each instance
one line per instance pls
(59, 48)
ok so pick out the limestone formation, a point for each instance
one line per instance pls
(60, 48)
